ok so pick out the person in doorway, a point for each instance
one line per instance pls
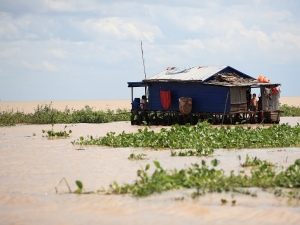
(253, 107)
(253, 103)
(144, 103)
(144, 106)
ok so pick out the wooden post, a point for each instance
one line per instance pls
(225, 108)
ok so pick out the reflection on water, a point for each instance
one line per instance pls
(31, 167)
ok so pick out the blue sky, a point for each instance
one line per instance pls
(86, 50)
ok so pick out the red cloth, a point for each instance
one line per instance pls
(165, 98)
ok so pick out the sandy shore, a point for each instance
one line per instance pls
(30, 106)
(292, 101)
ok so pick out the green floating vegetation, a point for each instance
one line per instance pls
(209, 180)
(52, 133)
(250, 162)
(206, 179)
(141, 156)
(289, 110)
(197, 152)
(79, 185)
(202, 135)
(46, 114)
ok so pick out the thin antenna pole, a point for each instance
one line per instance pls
(143, 55)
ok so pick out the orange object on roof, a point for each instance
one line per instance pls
(263, 79)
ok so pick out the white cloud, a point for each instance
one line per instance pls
(230, 27)
(8, 31)
(58, 53)
(30, 36)
(48, 66)
(73, 38)
(189, 48)
(117, 28)
(288, 39)
(43, 66)
(60, 5)
(10, 52)
(186, 19)
(259, 38)
(276, 16)
(69, 5)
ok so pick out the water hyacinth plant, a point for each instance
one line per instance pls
(250, 162)
(133, 156)
(202, 135)
(199, 151)
(204, 179)
(52, 133)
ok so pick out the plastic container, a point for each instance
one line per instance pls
(136, 104)
(260, 78)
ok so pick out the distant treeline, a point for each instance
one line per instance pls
(45, 114)
(290, 110)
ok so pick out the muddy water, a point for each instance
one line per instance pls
(31, 166)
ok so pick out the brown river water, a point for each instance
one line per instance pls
(31, 167)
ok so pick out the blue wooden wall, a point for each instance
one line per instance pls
(206, 98)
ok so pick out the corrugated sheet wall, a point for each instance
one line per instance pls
(238, 95)
(270, 102)
(206, 98)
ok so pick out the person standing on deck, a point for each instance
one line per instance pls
(144, 103)
(254, 103)
(253, 107)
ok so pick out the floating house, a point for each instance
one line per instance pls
(218, 94)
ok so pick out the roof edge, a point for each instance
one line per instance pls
(246, 76)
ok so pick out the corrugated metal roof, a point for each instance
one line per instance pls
(204, 74)
(247, 84)
(192, 74)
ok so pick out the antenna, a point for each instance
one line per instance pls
(143, 54)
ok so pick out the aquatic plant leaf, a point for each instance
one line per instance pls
(215, 162)
(79, 184)
(147, 167)
(157, 164)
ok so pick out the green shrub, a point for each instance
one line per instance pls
(290, 110)
(45, 114)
